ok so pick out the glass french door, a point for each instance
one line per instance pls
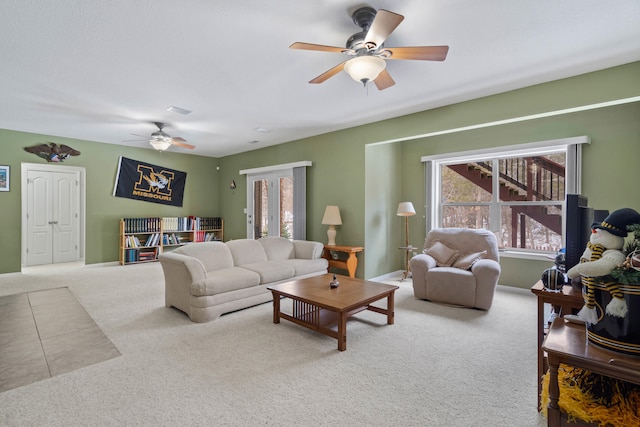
(270, 205)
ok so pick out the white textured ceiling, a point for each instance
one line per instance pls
(102, 70)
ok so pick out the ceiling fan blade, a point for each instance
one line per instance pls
(134, 140)
(384, 80)
(327, 74)
(180, 142)
(319, 47)
(425, 53)
(383, 24)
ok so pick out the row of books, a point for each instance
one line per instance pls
(133, 241)
(189, 223)
(134, 255)
(198, 236)
(186, 223)
(207, 223)
(174, 239)
(203, 236)
(141, 225)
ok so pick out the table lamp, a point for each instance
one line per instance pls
(331, 218)
(406, 210)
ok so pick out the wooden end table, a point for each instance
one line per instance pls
(320, 308)
(567, 343)
(350, 264)
(569, 301)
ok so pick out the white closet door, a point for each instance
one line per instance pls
(39, 221)
(52, 217)
(65, 217)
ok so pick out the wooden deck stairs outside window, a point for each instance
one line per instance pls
(534, 178)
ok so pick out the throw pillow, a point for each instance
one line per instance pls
(467, 260)
(443, 254)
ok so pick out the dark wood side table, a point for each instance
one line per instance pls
(568, 301)
(350, 264)
(567, 343)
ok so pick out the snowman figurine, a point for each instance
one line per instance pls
(602, 254)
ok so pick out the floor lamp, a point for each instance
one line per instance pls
(406, 210)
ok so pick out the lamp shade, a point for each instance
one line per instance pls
(406, 209)
(332, 216)
(365, 68)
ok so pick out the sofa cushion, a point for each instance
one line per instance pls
(246, 251)
(271, 271)
(213, 255)
(307, 266)
(443, 254)
(277, 248)
(225, 280)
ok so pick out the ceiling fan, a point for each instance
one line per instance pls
(161, 141)
(368, 50)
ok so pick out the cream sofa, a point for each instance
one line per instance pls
(208, 279)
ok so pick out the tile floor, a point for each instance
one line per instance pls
(47, 333)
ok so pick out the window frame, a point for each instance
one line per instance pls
(573, 179)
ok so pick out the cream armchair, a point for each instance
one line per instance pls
(459, 266)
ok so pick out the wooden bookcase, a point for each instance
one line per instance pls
(143, 239)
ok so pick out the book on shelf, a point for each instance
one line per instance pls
(153, 240)
(141, 225)
(132, 242)
(211, 237)
(173, 239)
(208, 223)
(147, 256)
(131, 255)
(142, 239)
(170, 224)
(190, 223)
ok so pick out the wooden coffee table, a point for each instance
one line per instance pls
(319, 307)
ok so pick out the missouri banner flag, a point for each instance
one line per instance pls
(151, 183)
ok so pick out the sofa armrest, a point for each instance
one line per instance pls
(181, 270)
(306, 249)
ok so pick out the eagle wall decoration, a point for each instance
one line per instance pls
(52, 152)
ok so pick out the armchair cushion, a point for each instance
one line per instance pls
(443, 254)
(467, 260)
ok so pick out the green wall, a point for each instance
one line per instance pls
(384, 228)
(367, 181)
(103, 211)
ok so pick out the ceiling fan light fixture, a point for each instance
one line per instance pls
(160, 143)
(364, 68)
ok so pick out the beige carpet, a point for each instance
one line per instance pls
(436, 366)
